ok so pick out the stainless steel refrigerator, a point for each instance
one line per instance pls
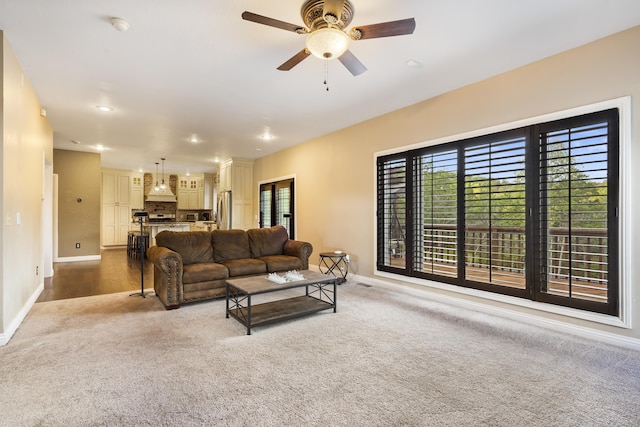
(223, 214)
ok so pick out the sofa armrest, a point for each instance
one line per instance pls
(167, 275)
(299, 249)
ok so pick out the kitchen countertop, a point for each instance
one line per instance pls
(156, 224)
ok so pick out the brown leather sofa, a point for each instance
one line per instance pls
(193, 266)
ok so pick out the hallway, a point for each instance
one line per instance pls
(115, 272)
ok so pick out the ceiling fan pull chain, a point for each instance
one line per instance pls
(326, 74)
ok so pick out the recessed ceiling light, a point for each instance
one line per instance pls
(100, 147)
(412, 63)
(216, 160)
(258, 149)
(267, 136)
(194, 139)
(104, 108)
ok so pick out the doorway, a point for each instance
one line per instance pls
(277, 205)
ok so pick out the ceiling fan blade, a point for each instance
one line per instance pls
(386, 29)
(333, 7)
(352, 63)
(253, 17)
(294, 60)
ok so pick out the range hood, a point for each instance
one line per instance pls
(161, 193)
(157, 194)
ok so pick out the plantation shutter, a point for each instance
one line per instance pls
(265, 206)
(495, 211)
(530, 212)
(276, 205)
(435, 198)
(578, 224)
(284, 205)
(392, 212)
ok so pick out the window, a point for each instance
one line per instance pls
(276, 205)
(530, 212)
(495, 211)
(436, 187)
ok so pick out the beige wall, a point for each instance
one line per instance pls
(79, 177)
(335, 174)
(27, 143)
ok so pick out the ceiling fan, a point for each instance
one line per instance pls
(326, 39)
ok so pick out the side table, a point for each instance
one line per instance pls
(334, 263)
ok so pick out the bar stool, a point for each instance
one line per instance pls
(140, 243)
(130, 242)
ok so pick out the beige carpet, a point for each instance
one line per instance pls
(384, 359)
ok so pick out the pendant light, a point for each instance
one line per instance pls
(156, 188)
(163, 186)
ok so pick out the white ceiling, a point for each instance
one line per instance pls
(195, 67)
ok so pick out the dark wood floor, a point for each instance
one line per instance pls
(115, 272)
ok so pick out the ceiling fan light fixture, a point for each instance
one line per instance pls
(120, 24)
(327, 43)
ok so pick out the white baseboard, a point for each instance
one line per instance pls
(79, 258)
(17, 321)
(527, 318)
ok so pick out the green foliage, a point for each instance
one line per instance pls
(501, 202)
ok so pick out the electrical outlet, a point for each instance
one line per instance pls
(77, 245)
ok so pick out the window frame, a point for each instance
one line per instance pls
(622, 270)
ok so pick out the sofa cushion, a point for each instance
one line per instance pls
(230, 244)
(244, 267)
(267, 241)
(281, 263)
(194, 247)
(204, 272)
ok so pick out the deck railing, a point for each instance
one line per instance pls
(574, 261)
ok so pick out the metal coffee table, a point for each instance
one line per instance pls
(320, 293)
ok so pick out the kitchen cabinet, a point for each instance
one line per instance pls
(188, 187)
(195, 192)
(116, 207)
(236, 175)
(225, 175)
(182, 193)
(208, 198)
(137, 191)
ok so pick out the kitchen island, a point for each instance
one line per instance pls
(155, 228)
(203, 226)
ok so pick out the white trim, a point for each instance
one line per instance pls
(280, 178)
(17, 321)
(526, 318)
(624, 242)
(624, 319)
(80, 258)
(514, 301)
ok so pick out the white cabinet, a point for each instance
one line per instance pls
(188, 192)
(208, 202)
(195, 192)
(183, 192)
(236, 175)
(116, 207)
(137, 191)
